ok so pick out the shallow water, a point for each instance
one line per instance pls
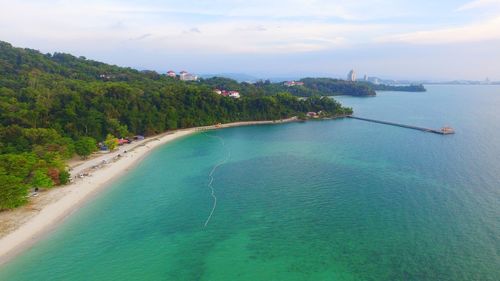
(326, 200)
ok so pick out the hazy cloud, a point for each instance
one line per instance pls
(478, 4)
(257, 28)
(483, 31)
(194, 30)
(191, 33)
(144, 36)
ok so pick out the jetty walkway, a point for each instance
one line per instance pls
(442, 131)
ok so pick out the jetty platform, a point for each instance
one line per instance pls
(442, 131)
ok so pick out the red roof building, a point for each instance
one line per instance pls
(122, 141)
(293, 83)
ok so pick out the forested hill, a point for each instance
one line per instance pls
(334, 87)
(400, 88)
(311, 87)
(308, 87)
(55, 105)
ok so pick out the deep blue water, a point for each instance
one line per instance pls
(321, 200)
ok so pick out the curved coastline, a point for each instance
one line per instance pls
(55, 205)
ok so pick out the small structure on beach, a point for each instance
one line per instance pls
(103, 147)
(312, 114)
(123, 141)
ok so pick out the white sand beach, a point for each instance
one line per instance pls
(22, 227)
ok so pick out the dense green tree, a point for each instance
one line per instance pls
(18, 165)
(334, 87)
(53, 105)
(399, 88)
(41, 179)
(64, 177)
(111, 142)
(85, 146)
(12, 191)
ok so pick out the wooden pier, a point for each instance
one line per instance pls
(442, 131)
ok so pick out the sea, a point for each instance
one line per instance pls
(319, 200)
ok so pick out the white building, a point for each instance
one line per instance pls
(234, 94)
(171, 73)
(186, 76)
(231, 94)
(351, 76)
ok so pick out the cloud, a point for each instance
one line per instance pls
(112, 24)
(144, 36)
(237, 32)
(194, 30)
(224, 26)
(258, 28)
(478, 4)
(484, 31)
(249, 37)
(277, 9)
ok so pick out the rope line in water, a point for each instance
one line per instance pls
(211, 178)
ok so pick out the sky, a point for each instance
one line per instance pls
(404, 39)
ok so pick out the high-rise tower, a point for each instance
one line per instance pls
(351, 76)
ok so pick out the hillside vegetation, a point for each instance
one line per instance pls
(400, 88)
(311, 87)
(55, 105)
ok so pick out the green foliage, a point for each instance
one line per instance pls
(12, 191)
(18, 165)
(311, 87)
(64, 177)
(111, 142)
(85, 146)
(402, 88)
(302, 116)
(41, 179)
(335, 87)
(114, 127)
(53, 105)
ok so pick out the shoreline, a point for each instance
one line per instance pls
(28, 224)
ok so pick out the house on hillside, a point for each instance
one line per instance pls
(106, 77)
(231, 94)
(186, 76)
(172, 74)
(123, 141)
(293, 83)
(312, 115)
(234, 94)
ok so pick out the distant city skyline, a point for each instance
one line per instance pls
(351, 76)
(417, 40)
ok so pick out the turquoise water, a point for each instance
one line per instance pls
(326, 200)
